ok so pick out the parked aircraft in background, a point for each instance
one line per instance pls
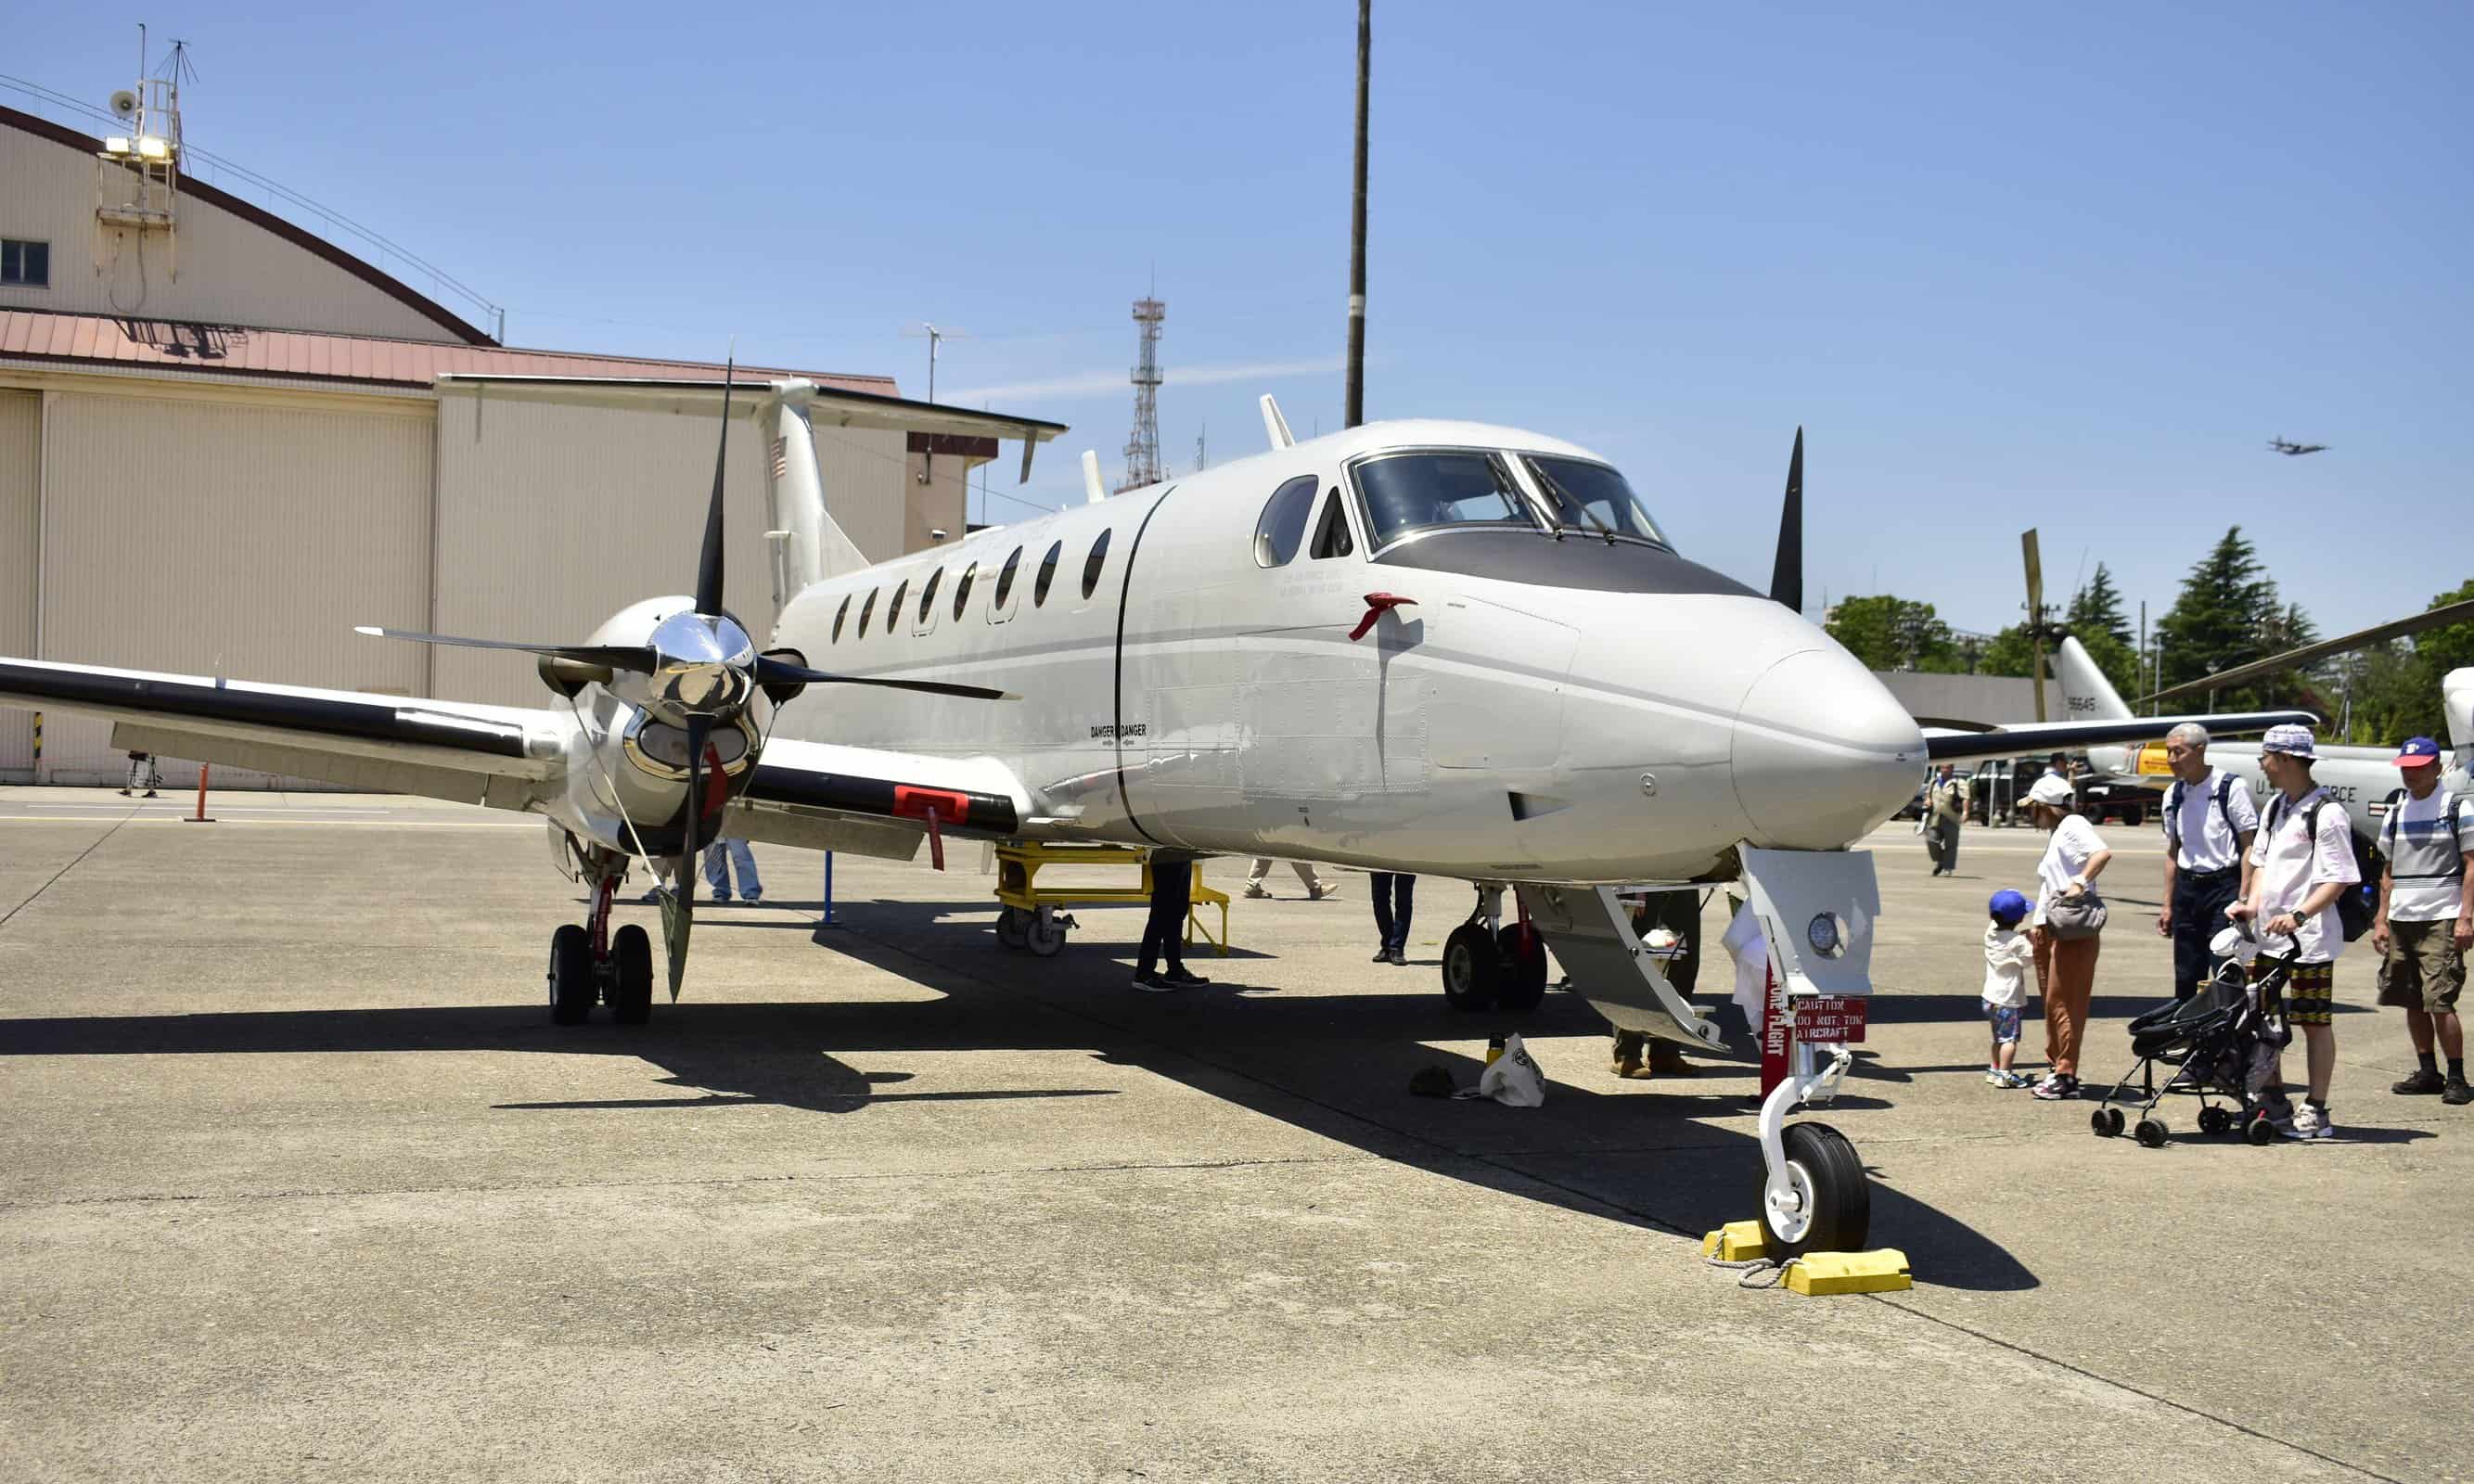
(2362, 778)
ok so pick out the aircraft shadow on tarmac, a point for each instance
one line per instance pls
(1334, 1065)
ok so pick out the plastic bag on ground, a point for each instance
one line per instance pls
(1512, 1079)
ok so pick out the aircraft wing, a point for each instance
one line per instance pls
(814, 794)
(870, 801)
(1951, 746)
(502, 756)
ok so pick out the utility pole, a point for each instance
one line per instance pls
(1356, 400)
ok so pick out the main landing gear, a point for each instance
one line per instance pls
(1489, 964)
(589, 965)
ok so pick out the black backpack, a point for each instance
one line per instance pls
(2353, 913)
(2174, 814)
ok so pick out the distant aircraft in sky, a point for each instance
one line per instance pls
(2288, 447)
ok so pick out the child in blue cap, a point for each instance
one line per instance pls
(2007, 953)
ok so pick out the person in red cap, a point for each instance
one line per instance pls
(2426, 919)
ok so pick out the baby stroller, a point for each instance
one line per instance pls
(2222, 1042)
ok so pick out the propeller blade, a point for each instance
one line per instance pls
(607, 656)
(1786, 576)
(2035, 613)
(678, 918)
(771, 672)
(707, 593)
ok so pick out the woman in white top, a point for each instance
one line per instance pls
(2065, 967)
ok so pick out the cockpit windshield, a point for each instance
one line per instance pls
(1407, 492)
(1592, 497)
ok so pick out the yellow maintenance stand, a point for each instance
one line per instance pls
(1030, 919)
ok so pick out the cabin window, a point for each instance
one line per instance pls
(1005, 585)
(962, 589)
(25, 264)
(1047, 574)
(865, 609)
(839, 614)
(1094, 563)
(1409, 493)
(1331, 537)
(893, 605)
(1592, 497)
(1284, 521)
(928, 598)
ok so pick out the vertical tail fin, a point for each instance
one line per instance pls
(808, 545)
(2086, 694)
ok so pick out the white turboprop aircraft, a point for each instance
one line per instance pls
(2363, 779)
(1441, 647)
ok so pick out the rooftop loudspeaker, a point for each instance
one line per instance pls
(124, 104)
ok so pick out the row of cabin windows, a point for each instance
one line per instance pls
(1092, 566)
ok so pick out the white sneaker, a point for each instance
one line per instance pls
(1321, 890)
(1993, 1077)
(2310, 1123)
(1254, 891)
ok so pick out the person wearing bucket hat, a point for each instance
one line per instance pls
(2065, 966)
(2301, 861)
(2426, 919)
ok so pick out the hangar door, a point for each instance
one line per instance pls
(256, 532)
(20, 457)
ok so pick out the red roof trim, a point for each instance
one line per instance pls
(259, 216)
(243, 350)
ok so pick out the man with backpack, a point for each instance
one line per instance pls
(2426, 919)
(2304, 891)
(2209, 825)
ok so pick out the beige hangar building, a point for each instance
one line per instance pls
(223, 444)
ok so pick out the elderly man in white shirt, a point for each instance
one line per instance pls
(2302, 861)
(2209, 824)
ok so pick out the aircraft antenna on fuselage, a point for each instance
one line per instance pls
(1094, 489)
(1276, 425)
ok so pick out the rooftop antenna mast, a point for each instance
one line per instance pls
(1142, 450)
(935, 337)
(137, 179)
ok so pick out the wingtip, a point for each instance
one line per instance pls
(369, 629)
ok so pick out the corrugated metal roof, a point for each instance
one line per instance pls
(234, 350)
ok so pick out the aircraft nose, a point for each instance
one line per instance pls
(1822, 752)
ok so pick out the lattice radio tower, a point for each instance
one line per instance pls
(1142, 450)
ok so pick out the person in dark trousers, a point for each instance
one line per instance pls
(2210, 823)
(1164, 932)
(1639, 1057)
(1392, 891)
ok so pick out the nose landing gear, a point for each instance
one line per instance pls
(589, 965)
(1492, 965)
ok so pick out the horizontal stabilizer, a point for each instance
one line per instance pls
(829, 407)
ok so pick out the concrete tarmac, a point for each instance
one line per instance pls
(298, 1182)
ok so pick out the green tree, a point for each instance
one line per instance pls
(1887, 632)
(2097, 609)
(2395, 691)
(2229, 614)
(2008, 654)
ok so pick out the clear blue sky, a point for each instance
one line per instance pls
(2067, 267)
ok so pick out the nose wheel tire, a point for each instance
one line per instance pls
(1013, 928)
(1828, 1207)
(631, 990)
(1523, 980)
(572, 991)
(1473, 970)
